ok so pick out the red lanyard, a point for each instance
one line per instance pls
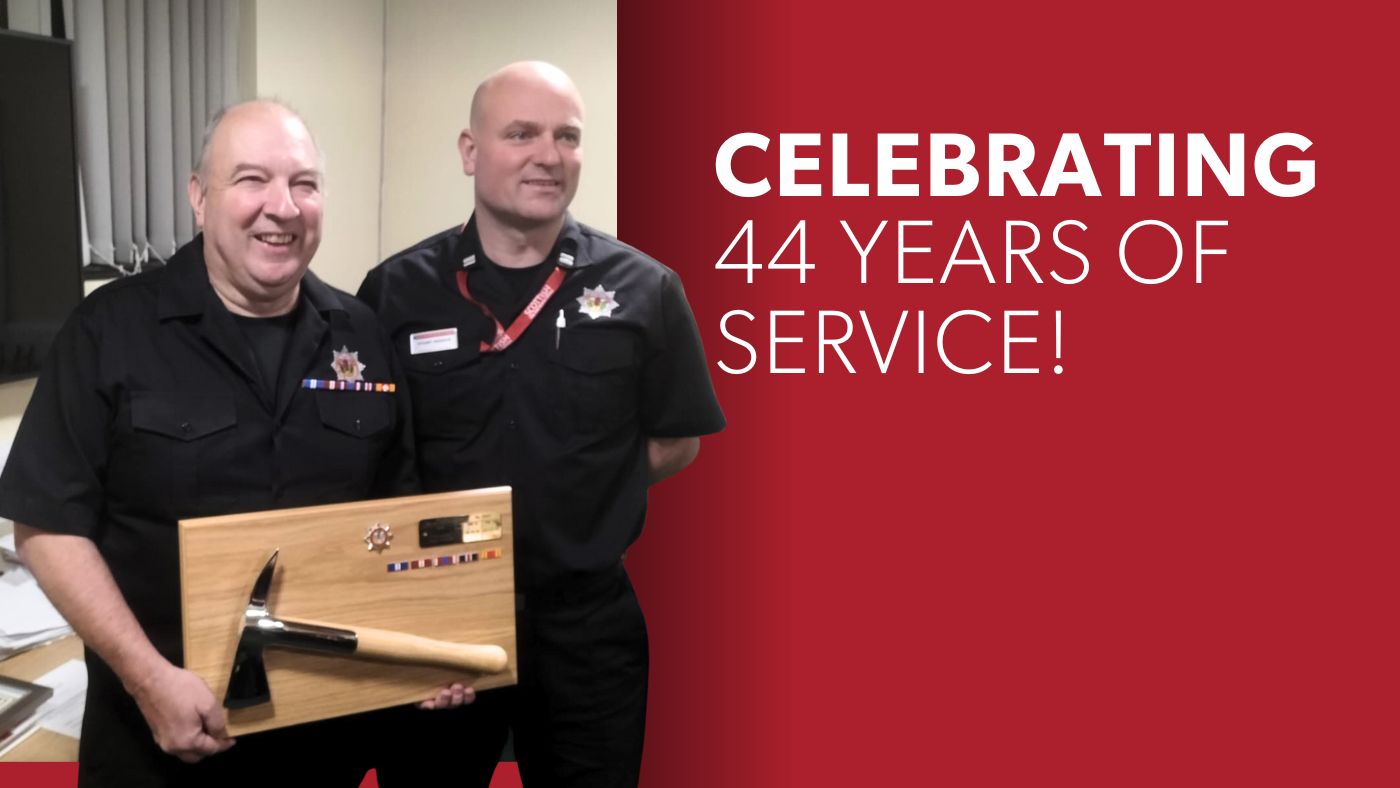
(505, 337)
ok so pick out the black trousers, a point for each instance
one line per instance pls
(578, 713)
(117, 749)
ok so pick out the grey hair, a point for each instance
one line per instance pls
(202, 161)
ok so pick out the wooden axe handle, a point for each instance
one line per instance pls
(401, 647)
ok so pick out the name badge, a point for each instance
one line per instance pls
(432, 341)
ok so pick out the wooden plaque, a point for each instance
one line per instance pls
(327, 573)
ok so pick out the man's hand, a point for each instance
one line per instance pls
(450, 697)
(184, 716)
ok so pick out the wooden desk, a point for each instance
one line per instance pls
(43, 745)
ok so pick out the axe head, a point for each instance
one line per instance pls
(247, 684)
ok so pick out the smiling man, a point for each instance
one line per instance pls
(256, 196)
(178, 393)
(549, 356)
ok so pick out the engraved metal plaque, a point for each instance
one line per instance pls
(482, 527)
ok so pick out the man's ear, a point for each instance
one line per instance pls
(196, 194)
(466, 145)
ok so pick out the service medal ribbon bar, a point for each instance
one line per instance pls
(443, 560)
(348, 385)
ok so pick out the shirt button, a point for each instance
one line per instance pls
(512, 365)
(185, 427)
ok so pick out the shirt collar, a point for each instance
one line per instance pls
(569, 250)
(185, 290)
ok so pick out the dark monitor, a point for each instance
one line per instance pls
(40, 235)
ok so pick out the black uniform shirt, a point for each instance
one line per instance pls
(268, 338)
(149, 411)
(563, 414)
(507, 291)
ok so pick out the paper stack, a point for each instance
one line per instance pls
(27, 618)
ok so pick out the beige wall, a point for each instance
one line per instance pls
(385, 86)
(436, 54)
(326, 59)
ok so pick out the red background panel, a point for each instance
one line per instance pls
(1173, 564)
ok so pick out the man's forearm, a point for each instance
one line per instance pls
(668, 456)
(182, 713)
(76, 579)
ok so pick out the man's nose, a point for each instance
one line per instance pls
(278, 202)
(547, 152)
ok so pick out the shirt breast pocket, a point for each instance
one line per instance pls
(358, 414)
(173, 435)
(450, 396)
(600, 372)
(356, 427)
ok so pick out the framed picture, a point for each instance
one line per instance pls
(18, 700)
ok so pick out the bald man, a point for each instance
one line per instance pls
(176, 394)
(549, 356)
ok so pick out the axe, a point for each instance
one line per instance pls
(247, 684)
